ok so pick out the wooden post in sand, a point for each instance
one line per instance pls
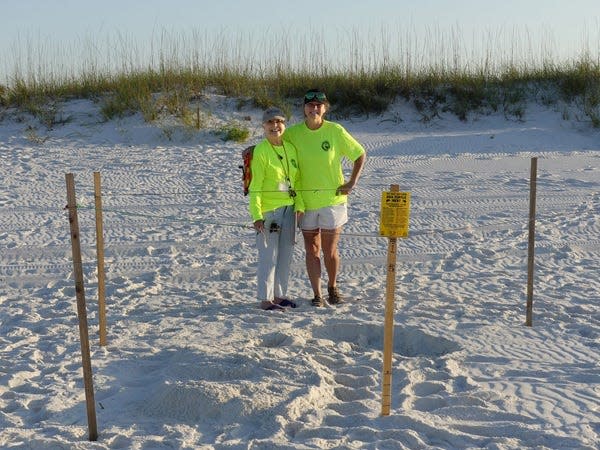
(388, 328)
(531, 246)
(81, 309)
(100, 259)
(395, 206)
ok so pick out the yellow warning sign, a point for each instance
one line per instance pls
(395, 212)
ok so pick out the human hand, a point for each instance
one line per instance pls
(345, 189)
(259, 226)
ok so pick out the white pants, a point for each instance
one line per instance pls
(275, 249)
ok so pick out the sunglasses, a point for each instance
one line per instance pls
(319, 96)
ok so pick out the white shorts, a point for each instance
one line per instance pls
(328, 218)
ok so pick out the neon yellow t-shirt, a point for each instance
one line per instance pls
(320, 154)
(274, 171)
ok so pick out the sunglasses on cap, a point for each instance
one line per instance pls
(318, 96)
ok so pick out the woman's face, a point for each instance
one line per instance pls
(274, 127)
(314, 111)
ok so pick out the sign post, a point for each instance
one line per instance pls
(395, 208)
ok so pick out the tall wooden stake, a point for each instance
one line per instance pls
(81, 308)
(100, 259)
(388, 331)
(531, 250)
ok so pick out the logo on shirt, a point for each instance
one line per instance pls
(325, 145)
(293, 163)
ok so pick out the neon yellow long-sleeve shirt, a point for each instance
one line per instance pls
(274, 171)
(320, 154)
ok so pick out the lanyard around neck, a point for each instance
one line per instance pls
(287, 162)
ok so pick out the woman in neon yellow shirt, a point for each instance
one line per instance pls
(274, 202)
(321, 147)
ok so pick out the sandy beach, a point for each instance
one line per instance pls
(192, 362)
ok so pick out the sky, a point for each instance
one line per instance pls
(43, 24)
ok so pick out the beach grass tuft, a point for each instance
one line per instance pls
(368, 77)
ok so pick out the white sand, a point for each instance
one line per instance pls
(193, 363)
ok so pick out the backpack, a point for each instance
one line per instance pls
(246, 173)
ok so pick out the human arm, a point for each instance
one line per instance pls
(255, 190)
(347, 187)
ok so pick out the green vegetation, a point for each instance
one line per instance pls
(234, 132)
(362, 87)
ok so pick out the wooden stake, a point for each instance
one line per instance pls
(81, 308)
(388, 331)
(531, 249)
(100, 260)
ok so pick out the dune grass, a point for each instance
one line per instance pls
(368, 81)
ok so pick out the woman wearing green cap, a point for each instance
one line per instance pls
(274, 203)
(322, 145)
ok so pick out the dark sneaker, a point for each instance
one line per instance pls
(282, 301)
(334, 297)
(317, 301)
